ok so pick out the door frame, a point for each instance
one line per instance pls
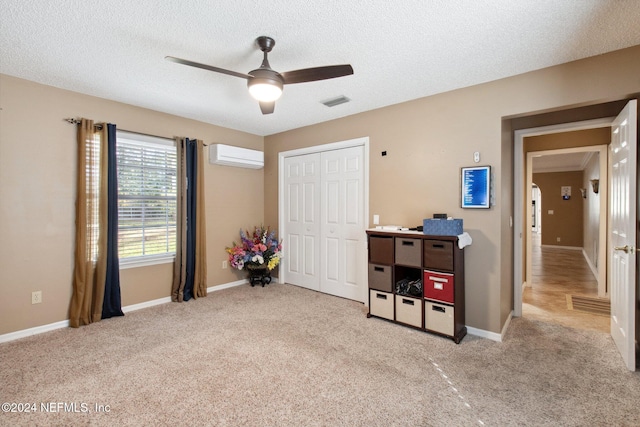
(356, 142)
(520, 196)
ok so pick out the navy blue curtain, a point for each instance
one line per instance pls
(191, 154)
(112, 305)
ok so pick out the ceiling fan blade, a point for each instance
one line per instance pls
(317, 73)
(206, 67)
(267, 107)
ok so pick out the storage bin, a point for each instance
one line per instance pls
(381, 304)
(381, 250)
(408, 252)
(438, 286)
(442, 227)
(380, 277)
(439, 318)
(409, 311)
(438, 254)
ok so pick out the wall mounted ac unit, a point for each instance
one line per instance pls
(228, 155)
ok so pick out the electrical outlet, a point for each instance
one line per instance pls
(36, 297)
(225, 264)
(376, 219)
(557, 239)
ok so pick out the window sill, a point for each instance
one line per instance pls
(146, 261)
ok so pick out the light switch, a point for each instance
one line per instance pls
(376, 219)
(550, 212)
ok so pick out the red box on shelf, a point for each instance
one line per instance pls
(438, 286)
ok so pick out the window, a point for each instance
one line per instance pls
(147, 199)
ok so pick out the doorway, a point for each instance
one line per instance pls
(523, 178)
(565, 216)
(621, 177)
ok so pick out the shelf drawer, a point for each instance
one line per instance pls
(381, 304)
(409, 311)
(409, 252)
(438, 286)
(380, 277)
(381, 250)
(439, 318)
(438, 254)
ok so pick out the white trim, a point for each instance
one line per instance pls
(145, 261)
(230, 285)
(491, 335)
(484, 334)
(356, 142)
(148, 140)
(571, 248)
(592, 267)
(33, 331)
(12, 336)
(506, 326)
(519, 197)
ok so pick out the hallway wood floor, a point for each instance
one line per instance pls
(556, 273)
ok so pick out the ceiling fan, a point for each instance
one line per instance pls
(264, 83)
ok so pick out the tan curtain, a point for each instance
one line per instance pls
(182, 273)
(180, 263)
(91, 226)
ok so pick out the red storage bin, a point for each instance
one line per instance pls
(438, 286)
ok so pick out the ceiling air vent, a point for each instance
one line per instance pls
(336, 101)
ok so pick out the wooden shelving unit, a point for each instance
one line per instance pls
(406, 256)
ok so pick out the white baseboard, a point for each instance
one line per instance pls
(506, 325)
(493, 336)
(11, 336)
(227, 285)
(592, 267)
(574, 248)
(484, 334)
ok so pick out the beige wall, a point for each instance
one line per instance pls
(574, 139)
(566, 221)
(591, 214)
(429, 139)
(37, 194)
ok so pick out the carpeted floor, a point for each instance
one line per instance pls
(285, 356)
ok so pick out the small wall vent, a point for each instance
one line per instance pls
(336, 101)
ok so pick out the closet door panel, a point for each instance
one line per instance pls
(302, 225)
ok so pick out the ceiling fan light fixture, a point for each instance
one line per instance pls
(265, 91)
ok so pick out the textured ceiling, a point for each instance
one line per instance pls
(399, 50)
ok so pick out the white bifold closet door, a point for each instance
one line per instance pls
(324, 226)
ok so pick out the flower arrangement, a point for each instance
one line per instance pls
(259, 249)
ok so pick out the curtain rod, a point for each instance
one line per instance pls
(77, 122)
(99, 126)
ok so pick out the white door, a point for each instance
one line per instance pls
(622, 234)
(302, 220)
(342, 219)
